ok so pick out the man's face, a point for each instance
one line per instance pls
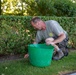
(37, 25)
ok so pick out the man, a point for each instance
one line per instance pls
(53, 34)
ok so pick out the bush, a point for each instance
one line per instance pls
(16, 32)
(65, 8)
(51, 8)
(40, 7)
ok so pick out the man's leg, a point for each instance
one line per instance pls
(63, 46)
(59, 53)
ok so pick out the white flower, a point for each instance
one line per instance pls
(2, 74)
(5, 67)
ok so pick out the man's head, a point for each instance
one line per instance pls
(37, 23)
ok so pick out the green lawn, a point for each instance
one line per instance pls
(23, 67)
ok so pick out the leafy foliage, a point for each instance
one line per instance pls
(14, 35)
(65, 8)
(40, 7)
(51, 8)
(13, 7)
(16, 32)
(0, 7)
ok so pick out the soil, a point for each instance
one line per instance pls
(10, 57)
(17, 56)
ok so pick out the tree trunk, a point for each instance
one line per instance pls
(0, 7)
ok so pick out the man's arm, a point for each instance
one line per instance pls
(54, 42)
(60, 38)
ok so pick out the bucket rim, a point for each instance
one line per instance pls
(35, 45)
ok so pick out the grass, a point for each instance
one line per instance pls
(23, 66)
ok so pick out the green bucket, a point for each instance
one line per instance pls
(40, 55)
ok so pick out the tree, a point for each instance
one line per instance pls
(65, 8)
(51, 8)
(0, 7)
(13, 7)
(40, 7)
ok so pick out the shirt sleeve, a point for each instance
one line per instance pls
(56, 28)
(38, 37)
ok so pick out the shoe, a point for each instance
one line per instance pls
(59, 55)
(66, 54)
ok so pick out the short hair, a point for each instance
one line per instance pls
(35, 19)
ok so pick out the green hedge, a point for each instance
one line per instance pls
(16, 32)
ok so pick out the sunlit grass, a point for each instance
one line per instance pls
(23, 67)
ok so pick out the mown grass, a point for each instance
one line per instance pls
(23, 66)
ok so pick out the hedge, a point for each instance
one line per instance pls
(16, 32)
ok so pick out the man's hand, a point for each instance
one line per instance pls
(49, 41)
(26, 55)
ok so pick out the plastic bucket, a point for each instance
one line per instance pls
(40, 54)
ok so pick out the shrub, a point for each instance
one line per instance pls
(16, 32)
(65, 8)
(51, 8)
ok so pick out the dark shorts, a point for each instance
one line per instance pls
(63, 45)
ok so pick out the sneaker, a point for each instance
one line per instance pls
(66, 54)
(59, 55)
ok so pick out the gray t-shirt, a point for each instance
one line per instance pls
(53, 29)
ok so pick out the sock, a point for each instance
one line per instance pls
(58, 50)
